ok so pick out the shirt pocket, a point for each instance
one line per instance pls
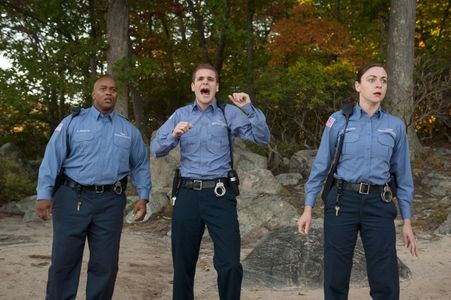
(82, 141)
(384, 146)
(218, 139)
(190, 141)
(350, 145)
(122, 145)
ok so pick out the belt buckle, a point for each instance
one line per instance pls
(99, 189)
(365, 190)
(195, 183)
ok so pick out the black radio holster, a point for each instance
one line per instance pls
(176, 182)
(234, 182)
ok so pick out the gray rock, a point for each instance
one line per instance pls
(445, 201)
(284, 259)
(445, 227)
(289, 178)
(262, 213)
(302, 161)
(259, 181)
(25, 207)
(440, 184)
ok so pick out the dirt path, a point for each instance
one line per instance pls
(145, 270)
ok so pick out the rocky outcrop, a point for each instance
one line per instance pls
(284, 259)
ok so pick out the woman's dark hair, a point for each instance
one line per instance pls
(365, 68)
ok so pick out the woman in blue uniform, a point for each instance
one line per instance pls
(375, 145)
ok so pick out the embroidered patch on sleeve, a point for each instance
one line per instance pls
(330, 122)
(59, 127)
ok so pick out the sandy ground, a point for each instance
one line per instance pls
(145, 265)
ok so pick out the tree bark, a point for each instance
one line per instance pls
(117, 54)
(201, 30)
(135, 98)
(250, 48)
(400, 66)
(222, 39)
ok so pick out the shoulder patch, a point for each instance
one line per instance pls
(330, 122)
(59, 127)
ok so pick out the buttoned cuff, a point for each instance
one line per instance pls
(44, 195)
(247, 109)
(310, 200)
(144, 195)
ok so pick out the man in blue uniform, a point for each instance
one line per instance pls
(201, 128)
(375, 145)
(97, 149)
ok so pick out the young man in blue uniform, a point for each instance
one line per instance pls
(375, 145)
(201, 128)
(104, 148)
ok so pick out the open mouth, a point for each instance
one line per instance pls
(205, 92)
(378, 94)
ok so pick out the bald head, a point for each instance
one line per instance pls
(104, 94)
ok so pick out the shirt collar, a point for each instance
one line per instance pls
(358, 112)
(214, 105)
(97, 115)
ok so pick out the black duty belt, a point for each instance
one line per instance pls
(117, 187)
(361, 188)
(198, 185)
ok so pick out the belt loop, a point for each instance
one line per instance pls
(339, 185)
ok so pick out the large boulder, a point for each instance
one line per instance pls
(25, 207)
(302, 161)
(259, 214)
(259, 181)
(440, 184)
(284, 259)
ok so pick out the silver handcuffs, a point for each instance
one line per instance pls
(118, 188)
(220, 189)
(387, 194)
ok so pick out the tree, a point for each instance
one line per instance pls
(400, 65)
(117, 54)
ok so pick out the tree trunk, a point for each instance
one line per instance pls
(400, 66)
(199, 21)
(117, 54)
(135, 98)
(222, 39)
(250, 48)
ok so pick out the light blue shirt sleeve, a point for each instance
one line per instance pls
(163, 142)
(400, 165)
(250, 125)
(54, 156)
(323, 160)
(139, 166)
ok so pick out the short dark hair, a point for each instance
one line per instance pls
(204, 66)
(366, 67)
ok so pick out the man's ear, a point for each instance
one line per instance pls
(192, 87)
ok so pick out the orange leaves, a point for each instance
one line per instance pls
(305, 33)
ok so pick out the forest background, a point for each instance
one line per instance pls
(297, 60)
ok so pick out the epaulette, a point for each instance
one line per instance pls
(75, 111)
(121, 115)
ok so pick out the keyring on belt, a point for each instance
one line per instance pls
(220, 189)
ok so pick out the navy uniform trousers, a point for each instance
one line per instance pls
(374, 219)
(193, 210)
(99, 220)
